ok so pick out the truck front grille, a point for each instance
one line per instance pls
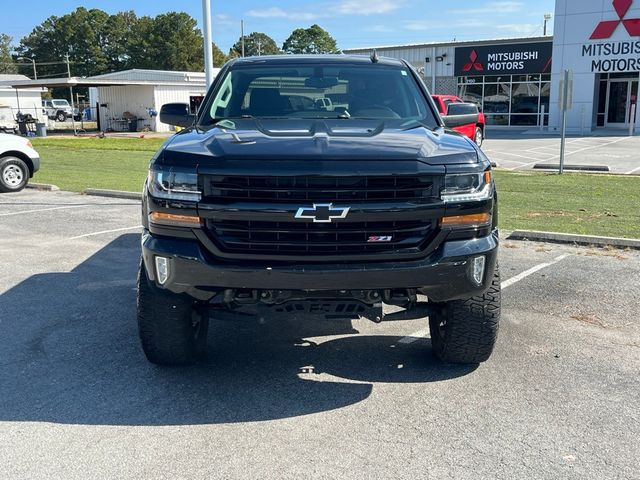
(318, 188)
(309, 239)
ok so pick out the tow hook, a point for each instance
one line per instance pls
(377, 313)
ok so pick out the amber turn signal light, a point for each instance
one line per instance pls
(471, 220)
(173, 219)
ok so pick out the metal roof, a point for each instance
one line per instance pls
(454, 43)
(114, 79)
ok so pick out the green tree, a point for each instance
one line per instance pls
(256, 43)
(6, 61)
(81, 34)
(117, 40)
(170, 41)
(314, 39)
(219, 58)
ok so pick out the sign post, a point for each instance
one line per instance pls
(565, 103)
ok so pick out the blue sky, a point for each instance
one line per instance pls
(354, 23)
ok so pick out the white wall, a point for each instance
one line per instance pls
(574, 23)
(134, 99)
(173, 94)
(30, 101)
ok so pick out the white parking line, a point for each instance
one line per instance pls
(42, 210)
(531, 271)
(414, 337)
(99, 233)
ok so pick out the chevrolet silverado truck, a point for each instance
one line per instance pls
(448, 104)
(269, 201)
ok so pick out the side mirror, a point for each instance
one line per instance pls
(459, 114)
(177, 114)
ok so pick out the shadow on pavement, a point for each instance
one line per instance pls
(69, 353)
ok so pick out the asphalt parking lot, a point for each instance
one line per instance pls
(293, 399)
(517, 150)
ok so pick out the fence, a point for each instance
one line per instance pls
(85, 119)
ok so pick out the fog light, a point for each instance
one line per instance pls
(162, 269)
(478, 269)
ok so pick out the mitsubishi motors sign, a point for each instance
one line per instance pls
(504, 59)
(614, 43)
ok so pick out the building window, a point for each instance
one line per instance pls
(515, 100)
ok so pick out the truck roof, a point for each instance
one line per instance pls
(317, 59)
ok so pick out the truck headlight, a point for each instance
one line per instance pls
(174, 185)
(467, 187)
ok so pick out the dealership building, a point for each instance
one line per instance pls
(516, 81)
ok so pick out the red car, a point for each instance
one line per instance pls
(475, 131)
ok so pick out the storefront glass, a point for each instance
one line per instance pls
(515, 100)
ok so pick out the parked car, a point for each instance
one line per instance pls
(256, 206)
(7, 121)
(475, 132)
(57, 109)
(18, 162)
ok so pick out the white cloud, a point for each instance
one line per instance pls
(332, 9)
(277, 12)
(497, 8)
(520, 28)
(366, 7)
(223, 19)
(419, 26)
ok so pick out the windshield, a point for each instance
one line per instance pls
(346, 92)
(60, 103)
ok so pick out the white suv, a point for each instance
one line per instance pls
(18, 162)
(57, 109)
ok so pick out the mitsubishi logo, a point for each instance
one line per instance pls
(606, 28)
(322, 212)
(473, 56)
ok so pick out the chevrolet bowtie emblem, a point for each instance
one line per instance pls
(322, 212)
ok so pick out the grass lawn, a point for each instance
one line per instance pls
(112, 163)
(605, 205)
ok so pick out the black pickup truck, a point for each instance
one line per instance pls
(318, 185)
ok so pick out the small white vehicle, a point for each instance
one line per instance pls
(18, 162)
(57, 109)
(7, 121)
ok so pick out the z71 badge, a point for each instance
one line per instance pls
(380, 239)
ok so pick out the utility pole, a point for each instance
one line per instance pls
(242, 36)
(73, 120)
(547, 17)
(208, 42)
(33, 61)
(259, 47)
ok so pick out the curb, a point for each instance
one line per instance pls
(43, 186)
(572, 239)
(113, 194)
(574, 167)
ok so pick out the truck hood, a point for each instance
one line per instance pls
(337, 139)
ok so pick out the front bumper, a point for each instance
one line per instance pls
(442, 276)
(35, 159)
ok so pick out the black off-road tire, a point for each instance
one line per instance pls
(171, 330)
(61, 117)
(466, 330)
(14, 174)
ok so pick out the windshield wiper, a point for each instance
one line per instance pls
(419, 123)
(222, 119)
